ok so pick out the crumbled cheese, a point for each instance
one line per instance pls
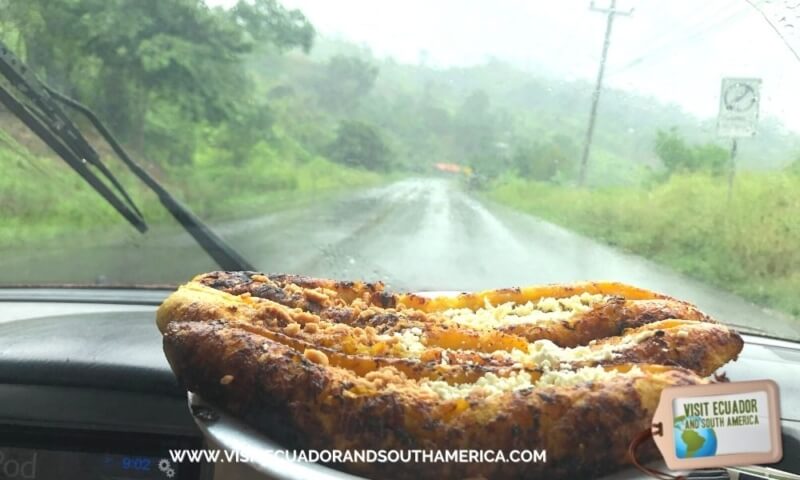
(410, 340)
(588, 298)
(491, 384)
(510, 313)
(569, 378)
(540, 354)
(546, 354)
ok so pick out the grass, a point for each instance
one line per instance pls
(750, 246)
(42, 201)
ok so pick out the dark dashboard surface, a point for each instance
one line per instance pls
(85, 391)
(89, 364)
(107, 350)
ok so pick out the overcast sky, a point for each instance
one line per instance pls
(676, 50)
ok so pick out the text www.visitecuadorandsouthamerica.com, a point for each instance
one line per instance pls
(362, 456)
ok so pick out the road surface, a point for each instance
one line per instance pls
(419, 234)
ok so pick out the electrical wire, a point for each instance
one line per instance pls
(692, 18)
(694, 33)
(776, 29)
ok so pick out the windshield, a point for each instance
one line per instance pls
(432, 146)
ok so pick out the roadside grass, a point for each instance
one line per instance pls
(42, 201)
(750, 247)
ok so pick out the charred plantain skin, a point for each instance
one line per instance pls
(320, 363)
(608, 319)
(585, 429)
(697, 346)
(627, 307)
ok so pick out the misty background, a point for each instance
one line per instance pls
(245, 108)
(676, 51)
(664, 67)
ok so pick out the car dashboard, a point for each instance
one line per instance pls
(86, 392)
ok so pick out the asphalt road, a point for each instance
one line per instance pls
(418, 234)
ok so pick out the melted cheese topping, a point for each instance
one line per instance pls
(490, 384)
(510, 313)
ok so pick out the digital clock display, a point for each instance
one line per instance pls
(28, 463)
(46, 453)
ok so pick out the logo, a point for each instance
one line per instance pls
(165, 467)
(693, 439)
(718, 425)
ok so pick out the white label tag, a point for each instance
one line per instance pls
(718, 425)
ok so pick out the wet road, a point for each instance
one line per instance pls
(422, 234)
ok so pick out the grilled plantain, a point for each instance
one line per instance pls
(576, 370)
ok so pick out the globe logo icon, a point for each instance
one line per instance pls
(693, 442)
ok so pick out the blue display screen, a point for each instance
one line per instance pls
(27, 463)
(141, 464)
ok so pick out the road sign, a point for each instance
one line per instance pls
(738, 107)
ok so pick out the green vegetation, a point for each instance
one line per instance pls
(240, 110)
(360, 145)
(44, 201)
(176, 82)
(748, 246)
(554, 159)
(677, 156)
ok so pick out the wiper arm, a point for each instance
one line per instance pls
(58, 132)
(50, 124)
(217, 248)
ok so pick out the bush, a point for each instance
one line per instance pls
(748, 246)
(678, 156)
(547, 160)
(359, 144)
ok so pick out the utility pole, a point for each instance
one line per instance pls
(611, 11)
(732, 169)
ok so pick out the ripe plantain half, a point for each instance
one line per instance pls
(576, 370)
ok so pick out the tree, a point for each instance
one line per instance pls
(677, 155)
(673, 150)
(545, 160)
(359, 144)
(122, 56)
(711, 158)
(241, 133)
(344, 81)
(268, 22)
(475, 131)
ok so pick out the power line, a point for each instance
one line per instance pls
(666, 46)
(775, 27)
(692, 18)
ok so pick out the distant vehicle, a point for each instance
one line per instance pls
(448, 167)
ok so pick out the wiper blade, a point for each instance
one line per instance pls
(50, 123)
(216, 247)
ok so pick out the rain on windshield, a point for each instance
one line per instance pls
(445, 146)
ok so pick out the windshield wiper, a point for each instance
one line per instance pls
(48, 121)
(50, 124)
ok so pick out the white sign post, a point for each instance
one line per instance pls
(738, 114)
